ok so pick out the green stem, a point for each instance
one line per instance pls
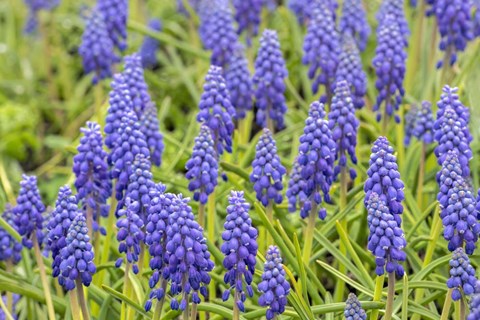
(6, 312)
(309, 229)
(377, 295)
(269, 212)
(201, 215)
(157, 315)
(236, 311)
(108, 237)
(194, 311)
(98, 100)
(43, 277)
(75, 308)
(81, 299)
(384, 123)
(421, 175)
(90, 222)
(270, 125)
(390, 296)
(9, 269)
(211, 236)
(186, 312)
(462, 309)
(126, 292)
(340, 286)
(447, 305)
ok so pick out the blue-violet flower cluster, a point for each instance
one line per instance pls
(462, 275)
(354, 22)
(353, 309)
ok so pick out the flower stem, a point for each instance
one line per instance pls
(269, 212)
(89, 217)
(309, 229)
(462, 309)
(201, 215)
(126, 292)
(340, 286)
(98, 101)
(108, 237)
(43, 277)
(81, 299)
(270, 125)
(6, 312)
(157, 315)
(211, 236)
(390, 296)
(421, 175)
(446, 306)
(377, 295)
(236, 311)
(9, 269)
(194, 311)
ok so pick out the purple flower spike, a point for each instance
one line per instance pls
(248, 14)
(410, 123)
(96, 48)
(239, 82)
(217, 31)
(344, 125)
(462, 275)
(120, 103)
(386, 240)
(77, 256)
(316, 157)
(270, 72)
(300, 9)
(187, 255)
(353, 309)
(423, 129)
(296, 187)
(135, 81)
(28, 212)
(389, 64)
(91, 170)
(150, 46)
(384, 178)
(354, 22)
(130, 142)
(268, 171)
(475, 304)
(115, 13)
(321, 48)
(450, 98)
(395, 8)
(350, 69)
(34, 6)
(216, 110)
(10, 249)
(455, 27)
(274, 287)
(240, 249)
(202, 168)
(150, 128)
(66, 209)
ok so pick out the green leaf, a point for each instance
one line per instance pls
(405, 298)
(303, 277)
(127, 300)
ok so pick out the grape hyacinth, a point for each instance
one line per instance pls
(248, 14)
(344, 125)
(150, 128)
(450, 98)
(66, 209)
(150, 46)
(321, 50)
(316, 156)
(389, 64)
(455, 27)
(395, 8)
(10, 249)
(423, 129)
(300, 9)
(216, 110)
(270, 72)
(96, 48)
(77, 256)
(354, 22)
(115, 13)
(240, 249)
(449, 175)
(268, 171)
(296, 187)
(239, 82)
(202, 167)
(187, 255)
(353, 309)
(133, 76)
(475, 304)
(217, 31)
(28, 212)
(91, 171)
(384, 178)
(350, 69)
(130, 142)
(462, 275)
(386, 240)
(34, 6)
(274, 287)
(410, 123)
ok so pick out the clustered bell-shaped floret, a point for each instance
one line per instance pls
(188, 258)
(150, 45)
(133, 76)
(269, 82)
(423, 129)
(344, 125)
(384, 178)
(202, 167)
(386, 240)
(115, 13)
(296, 187)
(150, 127)
(389, 64)
(354, 22)
(321, 48)
(410, 123)
(240, 249)
(395, 8)
(10, 249)
(267, 171)
(91, 170)
(239, 82)
(316, 157)
(248, 14)
(300, 9)
(66, 209)
(353, 309)
(462, 275)
(77, 256)
(475, 304)
(28, 212)
(350, 69)
(274, 287)
(216, 110)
